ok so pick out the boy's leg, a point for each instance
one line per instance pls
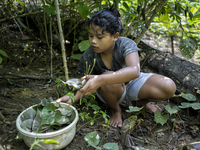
(155, 89)
(111, 94)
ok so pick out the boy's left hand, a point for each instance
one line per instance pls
(91, 85)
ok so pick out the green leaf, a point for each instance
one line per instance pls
(49, 9)
(172, 110)
(189, 97)
(134, 109)
(1, 60)
(188, 46)
(48, 114)
(185, 105)
(63, 120)
(132, 120)
(159, 118)
(27, 124)
(164, 17)
(83, 45)
(111, 146)
(19, 136)
(126, 6)
(71, 96)
(95, 107)
(54, 142)
(139, 148)
(3, 53)
(197, 16)
(76, 56)
(83, 11)
(37, 121)
(195, 106)
(29, 114)
(93, 139)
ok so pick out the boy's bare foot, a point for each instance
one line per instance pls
(116, 118)
(152, 108)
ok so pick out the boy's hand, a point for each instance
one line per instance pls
(64, 99)
(91, 85)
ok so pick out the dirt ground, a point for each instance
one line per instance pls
(19, 91)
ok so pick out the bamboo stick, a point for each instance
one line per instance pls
(62, 41)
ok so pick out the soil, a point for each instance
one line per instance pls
(19, 90)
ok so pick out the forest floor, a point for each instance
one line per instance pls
(20, 91)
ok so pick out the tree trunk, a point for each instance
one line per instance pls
(185, 74)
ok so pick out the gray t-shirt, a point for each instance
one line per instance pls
(123, 47)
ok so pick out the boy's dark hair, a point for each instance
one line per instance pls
(107, 18)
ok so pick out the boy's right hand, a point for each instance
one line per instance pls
(64, 99)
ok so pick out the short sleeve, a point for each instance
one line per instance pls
(128, 46)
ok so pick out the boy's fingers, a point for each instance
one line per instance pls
(83, 78)
(64, 99)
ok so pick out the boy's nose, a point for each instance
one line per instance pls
(94, 41)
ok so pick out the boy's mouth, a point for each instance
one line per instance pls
(94, 47)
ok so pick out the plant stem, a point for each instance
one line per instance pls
(187, 145)
(87, 123)
(62, 40)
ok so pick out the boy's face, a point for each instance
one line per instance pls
(101, 42)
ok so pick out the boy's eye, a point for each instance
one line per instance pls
(100, 37)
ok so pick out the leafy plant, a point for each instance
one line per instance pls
(93, 140)
(191, 98)
(47, 117)
(90, 102)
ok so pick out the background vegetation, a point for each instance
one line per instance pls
(171, 18)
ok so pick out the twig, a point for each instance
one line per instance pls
(187, 145)
(22, 76)
(87, 123)
(33, 13)
(143, 141)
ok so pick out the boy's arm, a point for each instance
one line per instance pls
(130, 72)
(67, 99)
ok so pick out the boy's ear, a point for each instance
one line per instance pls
(116, 35)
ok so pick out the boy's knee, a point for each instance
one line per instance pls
(170, 88)
(112, 89)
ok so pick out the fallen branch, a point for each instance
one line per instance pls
(7, 74)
